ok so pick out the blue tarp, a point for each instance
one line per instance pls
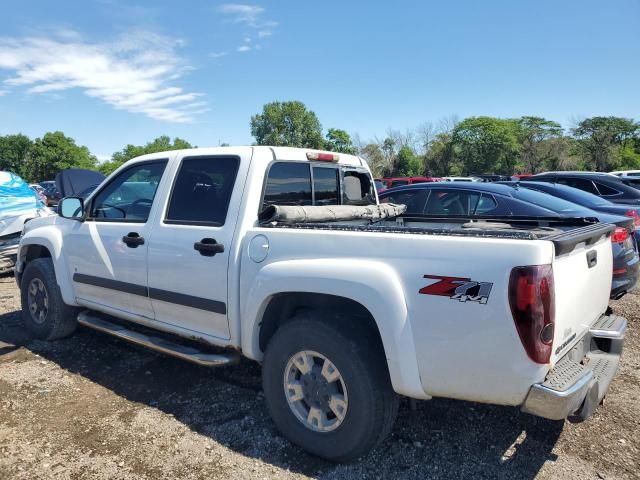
(16, 200)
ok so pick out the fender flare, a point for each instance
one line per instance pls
(53, 243)
(375, 285)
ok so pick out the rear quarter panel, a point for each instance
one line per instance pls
(435, 345)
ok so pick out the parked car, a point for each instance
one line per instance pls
(379, 184)
(492, 178)
(18, 203)
(626, 173)
(509, 199)
(74, 181)
(587, 200)
(520, 176)
(398, 181)
(270, 253)
(51, 192)
(461, 179)
(39, 191)
(603, 185)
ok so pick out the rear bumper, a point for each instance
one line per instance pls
(578, 383)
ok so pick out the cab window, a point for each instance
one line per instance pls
(202, 191)
(288, 183)
(129, 196)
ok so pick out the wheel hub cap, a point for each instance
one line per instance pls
(38, 300)
(315, 391)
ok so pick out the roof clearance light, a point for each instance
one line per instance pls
(323, 157)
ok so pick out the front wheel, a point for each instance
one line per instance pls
(327, 387)
(44, 312)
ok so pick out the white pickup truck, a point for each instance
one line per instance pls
(193, 254)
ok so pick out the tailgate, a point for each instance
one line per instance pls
(582, 276)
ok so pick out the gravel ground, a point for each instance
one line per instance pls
(94, 407)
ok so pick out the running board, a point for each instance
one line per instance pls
(184, 352)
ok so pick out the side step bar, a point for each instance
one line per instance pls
(184, 352)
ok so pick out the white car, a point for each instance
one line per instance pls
(626, 173)
(283, 256)
(461, 179)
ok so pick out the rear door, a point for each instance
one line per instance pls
(189, 250)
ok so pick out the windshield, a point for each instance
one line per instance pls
(549, 202)
(379, 184)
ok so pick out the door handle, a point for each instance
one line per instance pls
(208, 247)
(133, 239)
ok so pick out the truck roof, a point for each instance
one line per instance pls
(276, 153)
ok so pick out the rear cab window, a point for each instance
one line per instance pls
(309, 183)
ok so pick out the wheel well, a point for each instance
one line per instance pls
(283, 307)
(36, 251)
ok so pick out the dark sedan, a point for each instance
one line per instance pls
(588, 200)
(603, 185)
(482, 199)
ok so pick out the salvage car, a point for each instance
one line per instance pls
(283, 256)
(18, 204)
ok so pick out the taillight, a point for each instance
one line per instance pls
(323, 157)
(532, 300)
(636, 218)
(619, 235)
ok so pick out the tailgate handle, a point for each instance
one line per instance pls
(592, 258)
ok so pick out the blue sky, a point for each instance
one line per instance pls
(112, 72)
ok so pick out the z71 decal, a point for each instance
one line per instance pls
(458, 288)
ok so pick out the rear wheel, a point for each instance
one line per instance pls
(44, 313)
(327, 386)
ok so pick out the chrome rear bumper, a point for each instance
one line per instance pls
(579, 381)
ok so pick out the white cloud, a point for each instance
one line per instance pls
(242, 13)
(3, 92)
(132, 73)
(244, 48)
(218, 54)
(251, 16)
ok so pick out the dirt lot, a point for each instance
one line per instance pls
(95, 407)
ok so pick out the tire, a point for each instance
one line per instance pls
(371, 405)
(53, 319)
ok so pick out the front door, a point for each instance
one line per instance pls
(189, 249)
(107, 253)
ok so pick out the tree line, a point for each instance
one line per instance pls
(474, 145)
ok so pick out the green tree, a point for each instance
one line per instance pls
(439, 158)
(52, 153)
(600, 137)
(533, 135)
(13, 152)
(287, 124)
(372, 153)
(339, 141)
(160, 144)
(407, 163)
(486, 145)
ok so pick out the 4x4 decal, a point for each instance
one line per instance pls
(458, 288)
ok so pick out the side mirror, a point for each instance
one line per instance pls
(71, 207)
